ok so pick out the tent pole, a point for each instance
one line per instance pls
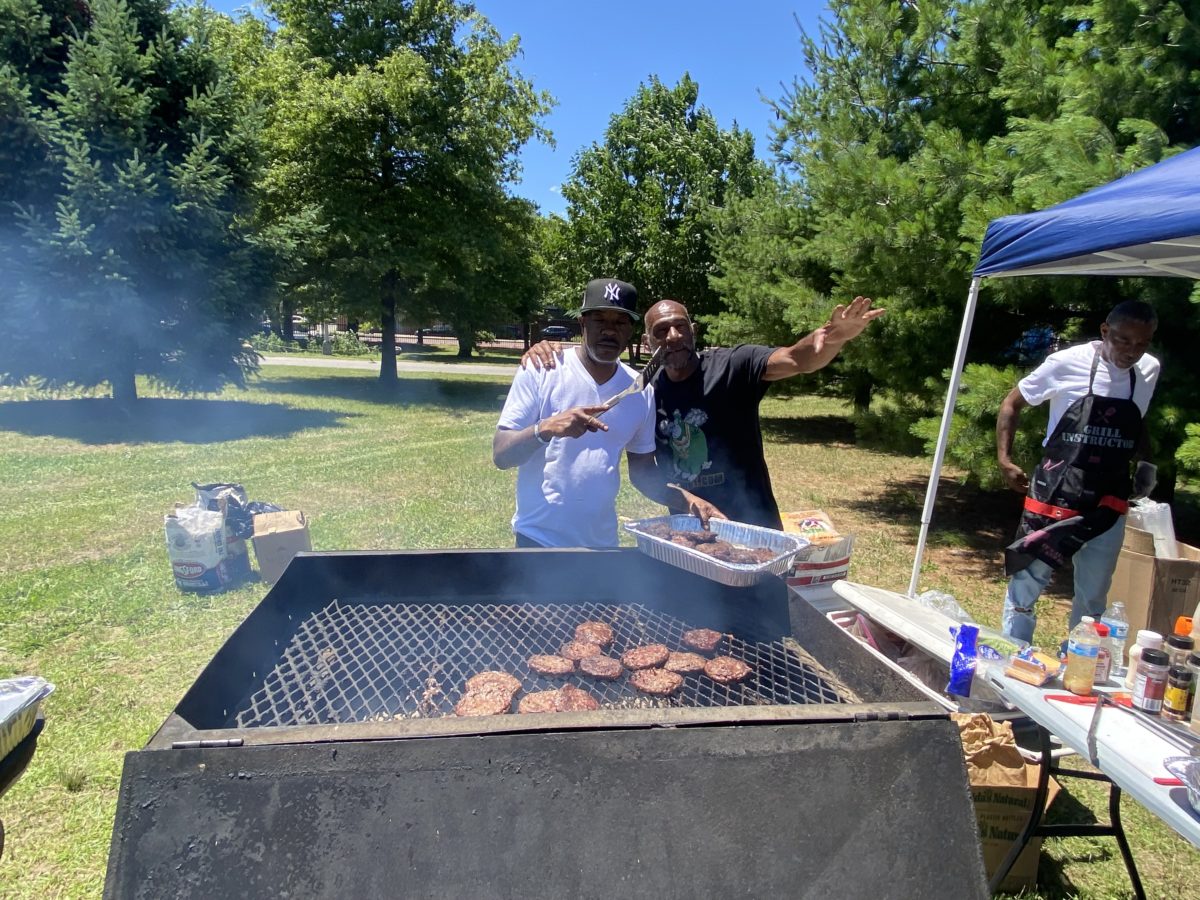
(944, 434)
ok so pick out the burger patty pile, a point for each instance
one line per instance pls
(657, 670)
(707, 542)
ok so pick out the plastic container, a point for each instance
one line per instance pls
(1083, 651)
(1156, 519)
(1118, 627)
(1145, 638)
(1150, 683)
(1104, 658)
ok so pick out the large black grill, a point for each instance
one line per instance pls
(387, 660)
(318, 755)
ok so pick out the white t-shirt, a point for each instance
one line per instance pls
(1063, 378)
(567, 491)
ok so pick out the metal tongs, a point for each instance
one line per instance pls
(1119, 700)
(639, 383)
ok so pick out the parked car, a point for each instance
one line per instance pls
(556, 333)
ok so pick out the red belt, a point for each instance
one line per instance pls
(1058, 513)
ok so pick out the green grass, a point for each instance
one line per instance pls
(87, 599)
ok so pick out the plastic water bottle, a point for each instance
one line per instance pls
(1118, 634)
(1083, 651)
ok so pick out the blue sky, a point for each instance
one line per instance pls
(593, 55)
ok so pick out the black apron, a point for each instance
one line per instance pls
(1082, 485)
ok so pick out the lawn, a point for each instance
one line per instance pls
(87, 599)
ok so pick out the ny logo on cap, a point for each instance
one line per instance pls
(612, 292)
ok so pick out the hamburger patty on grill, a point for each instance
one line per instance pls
(595, 633)
(538, 702)
(550, 665)
(573, 699)
(578, 650)
(603, 667)
(568, 698)
(685, 663)
(658, 682)
(645, 657)
(486, 702)
(499, 680)
(726, 670)
(703, 639)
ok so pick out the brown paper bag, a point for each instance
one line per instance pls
(990, 751)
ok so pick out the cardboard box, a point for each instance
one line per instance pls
(1155, 591)
(1002, 813)
(278, 536)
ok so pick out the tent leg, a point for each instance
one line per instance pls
(960, 356)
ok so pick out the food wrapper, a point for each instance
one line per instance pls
(812, 525)
(1031, 665)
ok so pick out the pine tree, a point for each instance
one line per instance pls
(128, 261)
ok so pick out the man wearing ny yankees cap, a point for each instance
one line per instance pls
(566, 444)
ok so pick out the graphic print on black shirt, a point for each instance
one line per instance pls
(689, 448)
(708, 433)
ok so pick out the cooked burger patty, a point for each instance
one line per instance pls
(645, 657)
(658, 682)
(553, 666)
(685, 663)
(703, 639)
(595, 633)
(726, 670)
(486, 702)
(500, 680)
(567, 698)
(578, 650)
(603, 667)
(538, 702)
(573, 699)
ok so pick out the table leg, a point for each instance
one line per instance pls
(1034, 826)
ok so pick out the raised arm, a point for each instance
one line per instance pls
(816, 350)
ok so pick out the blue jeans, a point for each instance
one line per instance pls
(1094, 564)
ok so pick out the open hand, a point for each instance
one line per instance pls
(846, 323)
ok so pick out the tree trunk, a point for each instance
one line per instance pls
(862, 395)
(387, 364)
(124, 387)
(464, 345)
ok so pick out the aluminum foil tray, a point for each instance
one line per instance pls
(785, 545)
(19, 702)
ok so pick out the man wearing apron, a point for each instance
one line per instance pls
(1075, 503)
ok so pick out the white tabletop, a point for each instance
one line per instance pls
(1129, 750)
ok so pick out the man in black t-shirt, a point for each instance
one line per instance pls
(708, 433)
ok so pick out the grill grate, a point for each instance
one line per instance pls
(375, 662)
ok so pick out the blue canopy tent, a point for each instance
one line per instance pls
(1145, 224)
